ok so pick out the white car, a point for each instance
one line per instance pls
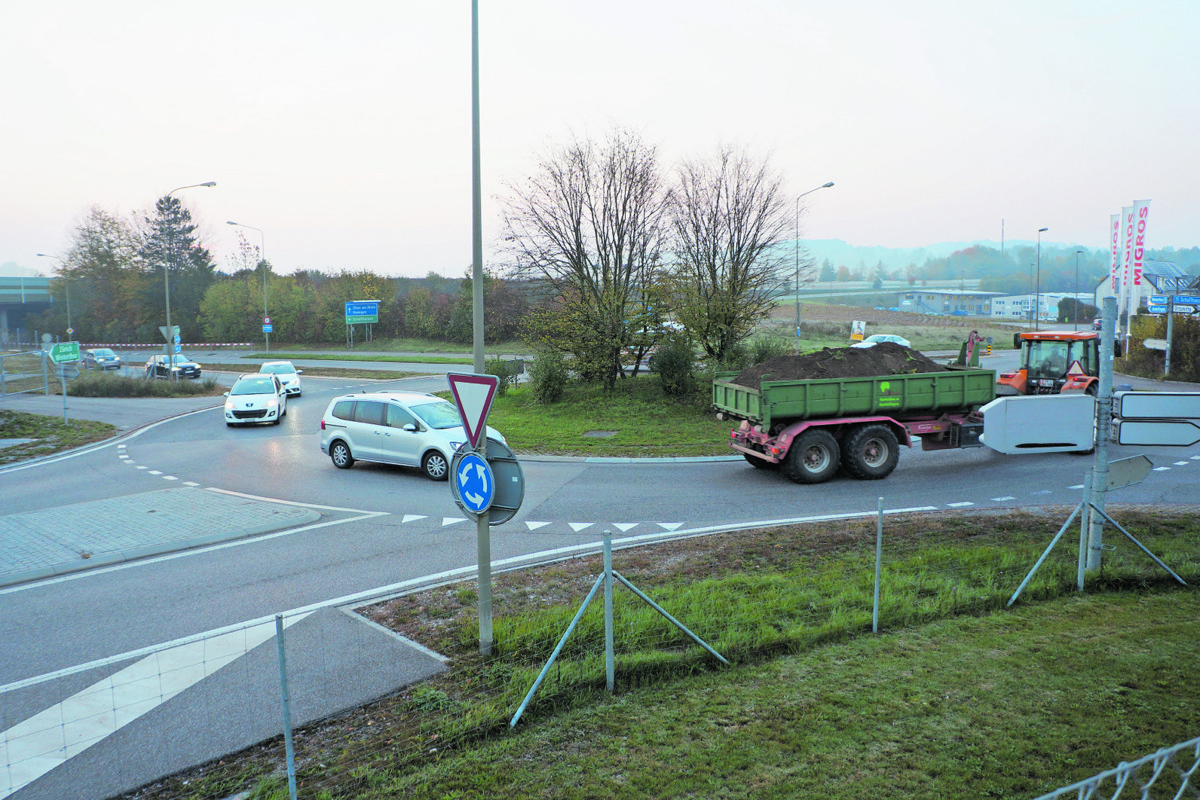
(255, 398)
(407, 428)
(877, 338)
(288, 375)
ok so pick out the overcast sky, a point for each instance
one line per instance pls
(342, 129)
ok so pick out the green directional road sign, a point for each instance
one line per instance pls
(64, 352)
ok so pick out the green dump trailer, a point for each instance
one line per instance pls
(811, 428)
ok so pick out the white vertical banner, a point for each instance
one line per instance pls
(1126, 257)
(1114, 254)
(1141, 215)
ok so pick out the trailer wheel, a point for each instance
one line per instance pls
(761, 463)
(871, 452)
(813, 457)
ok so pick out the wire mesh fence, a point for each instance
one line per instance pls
(750, 595)
(23, 372)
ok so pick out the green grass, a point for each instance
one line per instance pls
(644, 422)
(958, 696)
(323, 372)
(49, 435)
(374, 358)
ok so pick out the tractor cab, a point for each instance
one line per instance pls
(1054, 362)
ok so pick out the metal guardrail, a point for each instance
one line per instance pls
(1158, 775)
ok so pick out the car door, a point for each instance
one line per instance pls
(368, 431)
(404, 446)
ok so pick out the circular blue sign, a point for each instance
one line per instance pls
(475, 485)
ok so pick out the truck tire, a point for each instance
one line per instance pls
(871, 452)
(813, 457)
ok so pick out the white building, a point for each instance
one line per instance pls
(1021, 306)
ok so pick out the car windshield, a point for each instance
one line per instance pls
(281, 368)
(253, 386)
(103, 353)
(438, 414)
(180, 359)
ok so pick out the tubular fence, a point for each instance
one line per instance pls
(23, 372)
(379, 691)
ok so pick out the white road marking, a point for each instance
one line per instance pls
(1181, 463)
(1002, 499)
(958, 505)
(412, 517)
(624, 527)
(533, 526)
(1162, 469)
(579, 526)
(1076, 486)
(39, 744)
(670, 526)
(452, 520)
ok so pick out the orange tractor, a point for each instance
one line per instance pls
(1054, 362)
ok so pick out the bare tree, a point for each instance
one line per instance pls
(590, 223)
(729, 219)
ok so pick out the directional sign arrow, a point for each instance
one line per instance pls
(1128, 471)
(1167, 432)
(1158, 405)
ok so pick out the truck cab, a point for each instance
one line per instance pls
(1054, 362)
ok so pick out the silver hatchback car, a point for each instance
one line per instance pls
(406, 428)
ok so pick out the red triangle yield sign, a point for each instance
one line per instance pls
(473, 395)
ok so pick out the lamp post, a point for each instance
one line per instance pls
(797, 250)
(170, 337)
(66, 289)
(1038, 299)
(1075, 320)
(263, 259)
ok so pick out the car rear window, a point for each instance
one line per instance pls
(344, 409)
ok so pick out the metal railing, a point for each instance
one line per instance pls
(23, 372)
(1170, 772)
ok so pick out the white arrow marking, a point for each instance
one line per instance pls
(624, 526)
(533, 526)
(45, 740)
(412, 517)
(452, 520)
(670, 526)
(578, 526)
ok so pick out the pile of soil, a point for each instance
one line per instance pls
(886, 358)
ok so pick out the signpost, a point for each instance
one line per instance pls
(1170, 419)
(64, 355)
(1128, 471)
(360, 312)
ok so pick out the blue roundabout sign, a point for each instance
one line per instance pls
(474, 484)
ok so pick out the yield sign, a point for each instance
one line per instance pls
(473, 395)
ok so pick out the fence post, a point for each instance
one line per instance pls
(878, 566)
(609, 657)
(287, 708)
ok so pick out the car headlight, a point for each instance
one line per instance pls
(456, 445)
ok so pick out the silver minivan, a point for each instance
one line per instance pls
(406, 428)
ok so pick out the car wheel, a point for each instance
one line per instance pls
(435, 466)
(339, 454)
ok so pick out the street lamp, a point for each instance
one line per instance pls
(170, 337)
(66, 289)
(1038, 300)
(797, 250)
(1075, 322)
(263, 259)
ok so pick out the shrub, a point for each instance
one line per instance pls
(548, 377)
(675, 364)
(506, 370)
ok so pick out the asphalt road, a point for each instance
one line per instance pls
(384, 529)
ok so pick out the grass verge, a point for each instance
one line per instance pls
(97, 384)
(46, 435)
(635, 420)
(958, 696)
(324, 372)
(375, 358)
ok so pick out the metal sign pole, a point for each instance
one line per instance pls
(1108, 332)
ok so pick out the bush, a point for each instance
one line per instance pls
(506, 370)
(675, 364)
(1147, 363)
(548, 377)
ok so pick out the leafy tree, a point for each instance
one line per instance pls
(107, 280)
(589, 223)
(828, 274)
(729, 218)
(843, 273)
